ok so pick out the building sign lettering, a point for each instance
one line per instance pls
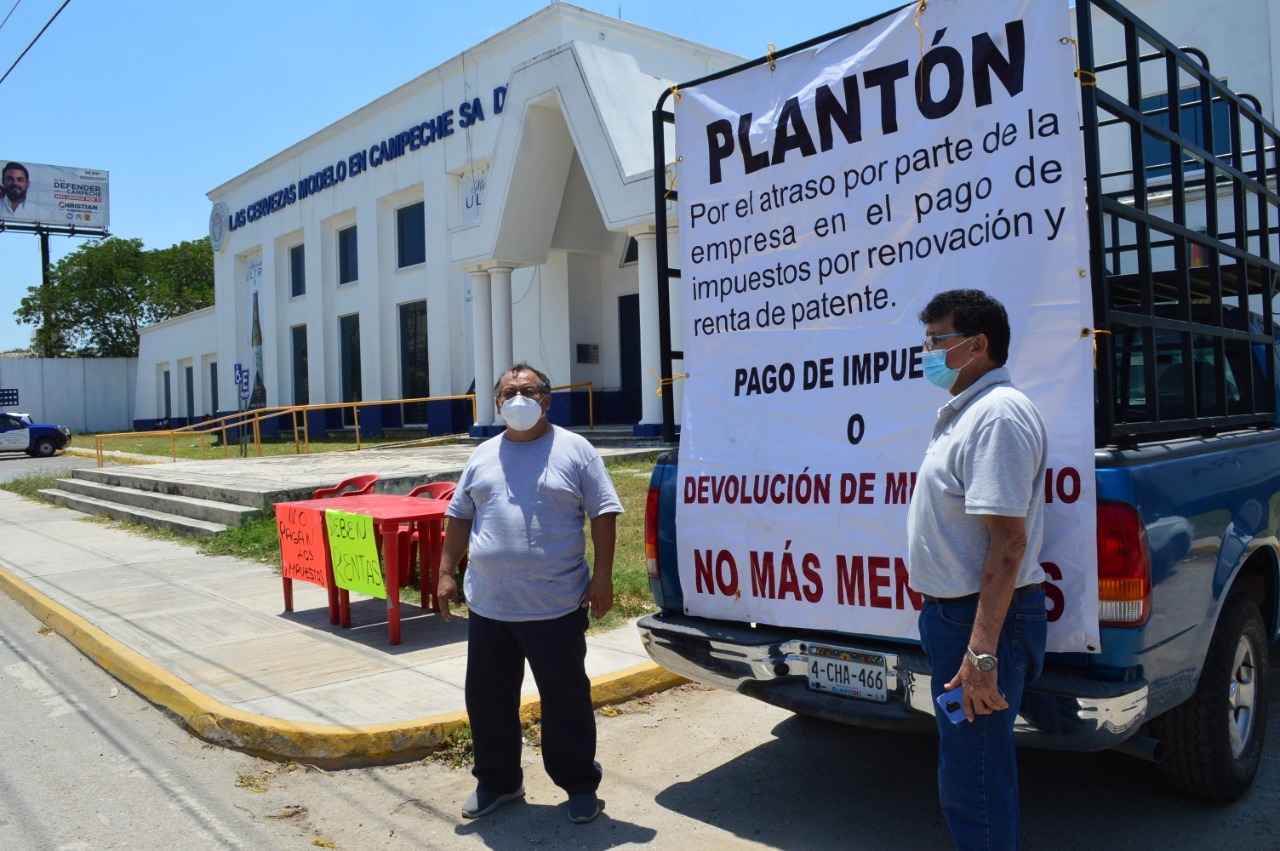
(434, 129)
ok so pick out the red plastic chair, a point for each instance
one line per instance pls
(426, 572)
(435, 490)
(354, 486)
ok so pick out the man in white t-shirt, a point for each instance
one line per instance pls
(974, 531)
(520, 508)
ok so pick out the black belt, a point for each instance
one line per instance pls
(1023, 589)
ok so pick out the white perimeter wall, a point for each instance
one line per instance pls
(87, 395)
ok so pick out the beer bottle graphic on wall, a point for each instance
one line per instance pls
(258, 395)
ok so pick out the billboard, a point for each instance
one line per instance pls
(39, 194)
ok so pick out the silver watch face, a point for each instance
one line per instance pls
(984, 662)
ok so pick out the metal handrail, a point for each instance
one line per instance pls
(252, 419)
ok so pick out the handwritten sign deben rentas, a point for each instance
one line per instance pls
(354, 551)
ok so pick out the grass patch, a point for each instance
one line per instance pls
(631, 597)
(258, 540)
(456, 749)
(28, 486)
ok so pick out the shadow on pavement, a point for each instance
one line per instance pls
(511, 828)
(419, 628)
(820, 785)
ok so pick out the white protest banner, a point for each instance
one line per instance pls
(823, 202)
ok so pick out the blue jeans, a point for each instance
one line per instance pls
(977, 765)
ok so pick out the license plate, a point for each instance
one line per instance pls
(852, 673)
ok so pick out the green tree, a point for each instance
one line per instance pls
(99, 295)
(181, 278)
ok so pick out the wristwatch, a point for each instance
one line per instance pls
(984, 662)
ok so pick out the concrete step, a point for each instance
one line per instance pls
(145, 516)
(224, 513)
(126, 477)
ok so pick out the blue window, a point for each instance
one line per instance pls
(1155, 153)
(348, 262)
(301, 387)
(297, 271)
(411, 235)
(213, 386)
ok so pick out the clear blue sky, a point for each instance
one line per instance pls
(175, 97)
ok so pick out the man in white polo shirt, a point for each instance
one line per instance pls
(974, 533)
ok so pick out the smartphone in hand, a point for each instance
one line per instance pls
(951, 705)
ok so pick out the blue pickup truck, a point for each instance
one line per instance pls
(19, 434)
(1187, 460)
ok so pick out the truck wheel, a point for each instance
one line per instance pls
(45, 447)
(1214, 740)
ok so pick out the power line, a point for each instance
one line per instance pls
(13, 9)
(34, 40)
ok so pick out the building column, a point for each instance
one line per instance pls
(482, 344)
(502, 356)
(650, 339)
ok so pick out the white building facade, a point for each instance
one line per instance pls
(496, 209)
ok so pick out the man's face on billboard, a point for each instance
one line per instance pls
(15, 185)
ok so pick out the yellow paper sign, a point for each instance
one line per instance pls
(354, 552)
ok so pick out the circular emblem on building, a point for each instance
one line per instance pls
(218, 225)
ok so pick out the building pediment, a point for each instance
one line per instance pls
(578, 111)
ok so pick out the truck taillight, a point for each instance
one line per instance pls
(651, 532)
(1124, 566)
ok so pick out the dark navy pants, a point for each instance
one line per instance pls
(556, 651)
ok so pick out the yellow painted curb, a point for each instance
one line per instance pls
(618, 687)
(327, 745)
(637, 681)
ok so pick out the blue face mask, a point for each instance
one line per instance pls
(936, 369)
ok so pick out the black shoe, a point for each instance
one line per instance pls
(583, 807)
(481, 802)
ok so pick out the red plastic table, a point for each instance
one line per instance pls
(388, 512)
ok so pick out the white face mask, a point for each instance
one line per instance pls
(521, 413)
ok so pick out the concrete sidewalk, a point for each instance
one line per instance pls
(206, 638)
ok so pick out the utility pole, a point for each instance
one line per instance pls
(46, 336)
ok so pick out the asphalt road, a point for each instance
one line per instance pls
(85, 764)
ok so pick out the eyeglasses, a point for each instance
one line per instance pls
(931, 341)
(527, 392)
